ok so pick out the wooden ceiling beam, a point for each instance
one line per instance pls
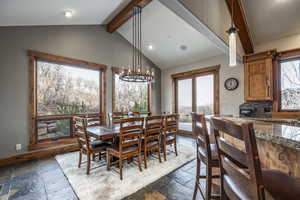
(240, 22)
(125, 14)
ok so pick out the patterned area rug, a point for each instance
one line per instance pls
(106, 185)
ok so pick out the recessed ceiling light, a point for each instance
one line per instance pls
(150, 47)
(68, 14)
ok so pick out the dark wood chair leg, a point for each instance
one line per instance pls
(208, 181)
(145, 157)
(80, 158)
(93, 157)
(121, 168)
(108, 161)
(140, 162)
(175, 146)
(165, 149)
(158, 151)
(88, 163)
(197, 178)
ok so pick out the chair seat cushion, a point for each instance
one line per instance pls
(126, 150)
(214, 151)
(99, 143)
(152, 143)
(280, 185)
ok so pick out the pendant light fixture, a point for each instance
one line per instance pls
(232, 31)
(137, 73)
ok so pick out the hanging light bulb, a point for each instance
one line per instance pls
(232, 40)
(232, 46)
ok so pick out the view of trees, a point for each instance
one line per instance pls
(63, 89)
(290, 85)
(130, 96)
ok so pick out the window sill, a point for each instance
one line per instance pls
(286, 114)
(54, 143)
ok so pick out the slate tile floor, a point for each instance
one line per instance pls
(43, 179)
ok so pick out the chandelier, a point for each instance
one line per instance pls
(137, 73)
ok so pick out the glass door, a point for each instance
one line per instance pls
(205, 94)
(185, 103)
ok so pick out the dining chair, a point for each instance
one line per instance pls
(145, 114)
(115, 117)
(207, 154)
(152, 136)
(170, 133)
(241, 175)
(86, 145)
(133, 114)
(131, 130)
(93, 119)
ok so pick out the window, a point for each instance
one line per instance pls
(129, 96)
(61, 88)
(196, 91)
(290, 85)
(205, 94)
(185, 100)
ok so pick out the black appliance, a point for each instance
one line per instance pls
(259, 109)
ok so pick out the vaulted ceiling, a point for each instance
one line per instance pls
(51, 12)
(174, 41)
(272, 19)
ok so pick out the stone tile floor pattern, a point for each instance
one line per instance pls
(43, 179)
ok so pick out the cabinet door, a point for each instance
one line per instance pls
(258, 80)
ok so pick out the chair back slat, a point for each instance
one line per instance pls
(229, 128)
(171, 123)
(131, 130)
(93, 119)
(240, 168)
(154, 126)
(79, 125)
(201, 134)
(234, 153)
(115, 117)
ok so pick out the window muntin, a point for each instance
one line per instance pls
(290, 84)
(130, 96)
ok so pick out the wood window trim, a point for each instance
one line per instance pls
(34, 56)
(280, 57)
(215, 70)
(117, 70)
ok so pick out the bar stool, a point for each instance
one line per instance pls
(207, 154)
(241, 173)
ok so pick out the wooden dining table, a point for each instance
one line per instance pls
(103, 132)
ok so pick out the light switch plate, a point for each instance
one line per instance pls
(18, 147)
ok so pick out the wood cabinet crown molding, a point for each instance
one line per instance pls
(289, 54)
(261, 55)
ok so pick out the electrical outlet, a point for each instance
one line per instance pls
(18, 147)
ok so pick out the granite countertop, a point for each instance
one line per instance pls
(293, 122)
(282, 134)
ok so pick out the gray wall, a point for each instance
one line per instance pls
(90, 43)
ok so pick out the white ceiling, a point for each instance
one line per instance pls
(167, 32)
(51, 12)
(161, 27)
(272, 19)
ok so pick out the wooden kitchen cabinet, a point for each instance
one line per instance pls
(259, 76)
